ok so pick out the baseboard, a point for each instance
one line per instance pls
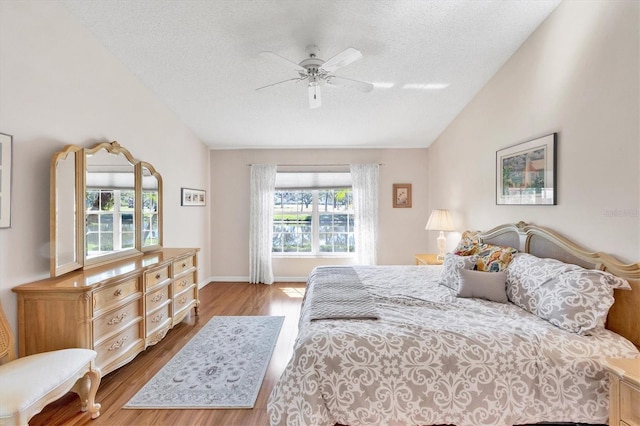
(245, 279)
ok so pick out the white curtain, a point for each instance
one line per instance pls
(263, 181)
(365, 205)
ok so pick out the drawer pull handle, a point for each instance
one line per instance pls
(118, 319)
(183, 283)
(158, 318)
(158, 297)
(118, 292)
(158, 276)
(184, 264)
(118, 344)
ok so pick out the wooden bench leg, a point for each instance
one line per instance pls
(86, 388)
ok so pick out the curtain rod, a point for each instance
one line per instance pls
(312, 165)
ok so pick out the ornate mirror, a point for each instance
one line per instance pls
(66, 253)
(108, 206)
(150, 234)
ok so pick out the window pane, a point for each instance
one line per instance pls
(92, 200)
(106, 222)
(107, 200)
(150, 201)
(127, 200)
(93, 240)
(127, 222)
(106, 242)
(92, 223)
(127, 240)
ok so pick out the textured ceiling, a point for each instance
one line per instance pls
(201, 57)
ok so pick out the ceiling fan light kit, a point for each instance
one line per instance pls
(315, 70)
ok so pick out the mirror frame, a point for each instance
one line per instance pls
(54, 236)
(142, 165)
(81, 261)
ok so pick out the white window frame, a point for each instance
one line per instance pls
(315, 229)
(116, 230)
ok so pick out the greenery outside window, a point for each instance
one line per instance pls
(150, 231)
(313, 222)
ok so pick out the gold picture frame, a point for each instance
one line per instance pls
(402, 195)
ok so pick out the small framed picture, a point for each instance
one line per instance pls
(525, 173)
(193, 197)
(401, 195)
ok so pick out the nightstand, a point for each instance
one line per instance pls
(427, 259)
(624, 393)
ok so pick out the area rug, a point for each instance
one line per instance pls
(222, 366)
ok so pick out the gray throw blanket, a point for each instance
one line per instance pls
(335, 292)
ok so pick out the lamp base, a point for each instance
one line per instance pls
(442, 246)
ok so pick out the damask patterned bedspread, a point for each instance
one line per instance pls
(433, 358)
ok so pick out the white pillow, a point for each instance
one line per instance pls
(483, 285)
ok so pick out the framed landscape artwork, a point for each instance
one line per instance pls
(401, 195)
(193, 197)
(5, 180)
(525, 173)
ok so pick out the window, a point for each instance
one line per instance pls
(108, 210)
(313, 221)
(150, 230)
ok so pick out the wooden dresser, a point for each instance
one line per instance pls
(624, 393)
(117, 309)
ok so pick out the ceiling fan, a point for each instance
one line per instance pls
(314, 70)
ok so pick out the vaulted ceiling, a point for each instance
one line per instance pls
(426, 59)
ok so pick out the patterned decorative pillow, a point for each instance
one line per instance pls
(527, 272)
(467, 246)
(493, 258)
(483, 285)
(568, 296)
(450, 275)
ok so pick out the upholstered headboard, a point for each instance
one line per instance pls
(624, 315)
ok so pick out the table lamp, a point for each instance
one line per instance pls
(440, 220)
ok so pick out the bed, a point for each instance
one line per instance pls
(394, 345)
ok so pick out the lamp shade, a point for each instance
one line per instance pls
(440, 220)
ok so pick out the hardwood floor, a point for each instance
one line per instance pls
(216, 299)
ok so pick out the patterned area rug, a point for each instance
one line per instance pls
(221, 367)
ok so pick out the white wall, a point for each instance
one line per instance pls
(401, 231)
(59, 86)
(577, 75)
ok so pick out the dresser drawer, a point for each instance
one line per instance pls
(629, 404)
(120, 345)
(156, 276)
(158, 318)
(182, 265)
(114, 321)
(112, 295)
(157, 298)
(184, 300)
(182, 283)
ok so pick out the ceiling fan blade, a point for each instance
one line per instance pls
(277, 59)
(342, 59)
(362, 86)
(314, 96)
(283, 81)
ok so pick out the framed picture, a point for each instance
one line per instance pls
(193, 197)
(401, 195)
(526, 173)
(5, 179)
